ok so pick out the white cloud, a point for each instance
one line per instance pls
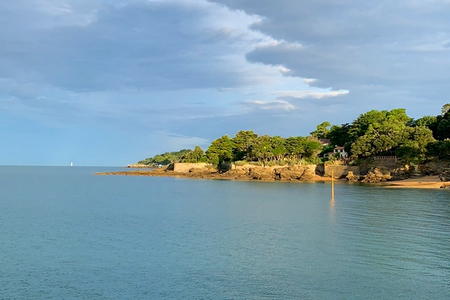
(309, 81)
(274, 105)
(312, 94)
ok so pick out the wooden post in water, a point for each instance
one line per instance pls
(332, 184)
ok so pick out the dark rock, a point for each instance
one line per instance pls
(352, 177)
(376, 176)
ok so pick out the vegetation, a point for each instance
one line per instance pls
(165, 158)
(375, 133)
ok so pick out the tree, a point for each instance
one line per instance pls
(263, 149)
(165, 158)
(427, 121)
(295, 147)
(244, 141)
(311, 148)
(220, 151)
(278, 147)
(195, 156)
(439, 149)
(374, 117)
(443, 124)
(302, 147)
(413, 148)
(445, 109)
(322, 130)
(340, 135)
(379, 139)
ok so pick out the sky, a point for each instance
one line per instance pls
(110, 82)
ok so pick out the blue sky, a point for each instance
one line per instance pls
(101, 82)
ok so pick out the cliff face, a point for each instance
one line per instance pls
(248, 172)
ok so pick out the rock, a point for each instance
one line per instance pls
(302, 173)
(445, 175)
(289, 173)
(260, 173)
(242, 174)
(376, 176)
(352, 177)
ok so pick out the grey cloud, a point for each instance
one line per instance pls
(374, 49)
(141, 44)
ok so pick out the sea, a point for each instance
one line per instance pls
(66, 233)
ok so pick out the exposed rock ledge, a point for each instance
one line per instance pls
(298, 173)
(246, 172)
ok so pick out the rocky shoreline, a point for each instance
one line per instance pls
(306, 173)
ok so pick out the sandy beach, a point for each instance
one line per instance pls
(422, 182)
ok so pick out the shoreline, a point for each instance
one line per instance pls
(422, 182)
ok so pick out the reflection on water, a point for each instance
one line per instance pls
(68, 234)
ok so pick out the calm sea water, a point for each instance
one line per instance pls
(66, 234)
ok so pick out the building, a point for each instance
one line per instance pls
(325, 142)
(340, 152)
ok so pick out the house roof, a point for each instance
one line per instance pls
(324, 141)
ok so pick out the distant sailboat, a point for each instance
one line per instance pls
(71, 164)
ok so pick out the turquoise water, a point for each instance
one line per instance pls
(66, 234)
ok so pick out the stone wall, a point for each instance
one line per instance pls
(340, 171)
(187, 167)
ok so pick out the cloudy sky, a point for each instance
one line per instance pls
(102, 82)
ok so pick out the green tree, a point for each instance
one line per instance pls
(340, 135)
(375, 117)
(244, 142)
(443, 124)
(322, 130)
(380, 138)
(439, 149)
(195, 156)
(311, 148)
(262, 149)
(427, 121)
(220, 151)
(413, 148)
(445, 109)
(295, 147)
(165, 158)
(278, 147)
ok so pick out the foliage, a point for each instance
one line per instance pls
(442, 131)
(413, 148)
(322, 130)
(386, 132)
(439, 149)
(427, 121)
(194, 156)
(373, 118)
(243, 144)
(165, 158)
(340, 135)
(220, 150)
(445, 109)
(380, 138)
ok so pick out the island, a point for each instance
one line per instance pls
(386, 148)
